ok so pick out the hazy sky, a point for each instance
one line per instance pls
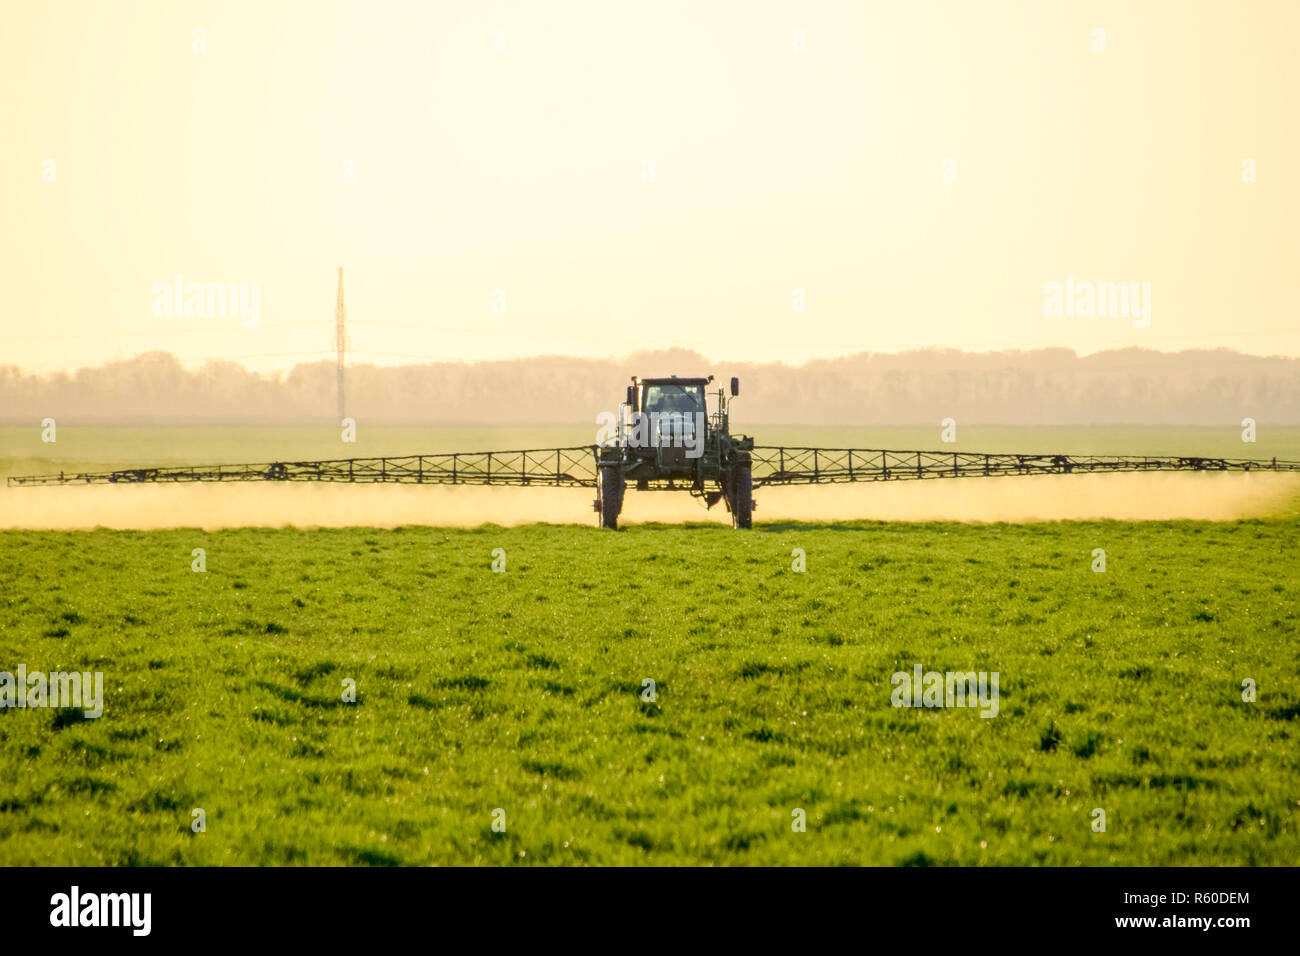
(522, 168)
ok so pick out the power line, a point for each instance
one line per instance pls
(858, 346)
(180, 331)
(1177, 365)
(861, 347)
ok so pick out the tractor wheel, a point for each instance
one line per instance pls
(742, 496)
(611, 497)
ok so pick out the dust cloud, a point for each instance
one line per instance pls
(1131, 497)
(1122, 497)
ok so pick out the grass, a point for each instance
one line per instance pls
(522, 691)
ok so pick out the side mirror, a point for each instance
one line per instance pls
(631, 396)
(735, 387)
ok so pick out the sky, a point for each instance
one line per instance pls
(758, 181)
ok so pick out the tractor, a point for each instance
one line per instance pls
(665, 438)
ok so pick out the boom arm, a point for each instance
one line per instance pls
(790, 466)
(575, 467)
(559, 467)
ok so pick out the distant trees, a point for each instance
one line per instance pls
(1048, 386)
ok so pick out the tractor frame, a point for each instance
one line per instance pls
(667, 438)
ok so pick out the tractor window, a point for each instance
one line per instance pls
(685, 399)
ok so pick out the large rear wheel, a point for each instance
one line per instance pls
(611, 497)
(742, 495)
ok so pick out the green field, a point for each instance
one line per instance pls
(522, 691)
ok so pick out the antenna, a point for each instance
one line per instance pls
(340, 338)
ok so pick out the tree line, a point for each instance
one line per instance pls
(1039, 387)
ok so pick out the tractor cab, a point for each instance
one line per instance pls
(666, 424)
(666, 439)
(669, 398)
(674, 420)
